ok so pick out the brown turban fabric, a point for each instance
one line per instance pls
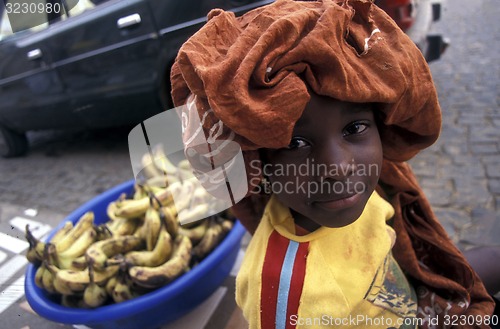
(254, 73)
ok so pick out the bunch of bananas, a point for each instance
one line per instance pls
(141, 246)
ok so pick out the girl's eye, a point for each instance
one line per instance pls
(355, 128)
(296, 143)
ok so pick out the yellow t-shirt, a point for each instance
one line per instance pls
(332, 277)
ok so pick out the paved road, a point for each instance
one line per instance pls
(460, 173)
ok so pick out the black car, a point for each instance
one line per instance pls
(92, 63)
(98, 64)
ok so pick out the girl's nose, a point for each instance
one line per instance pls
(335, 161)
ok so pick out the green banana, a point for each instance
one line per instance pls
(153, 277)
(99, 252)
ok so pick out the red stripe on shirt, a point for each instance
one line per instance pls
(271, 271)
(297, 282)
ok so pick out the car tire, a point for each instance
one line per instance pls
(12, 143)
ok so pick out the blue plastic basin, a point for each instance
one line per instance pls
(151, 310)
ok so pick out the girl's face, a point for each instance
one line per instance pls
(332, 165)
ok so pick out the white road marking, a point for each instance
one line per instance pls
(2, 256)
(10, 268)
(13, 244)
(38, 229)
(31, 212)
(11, 294)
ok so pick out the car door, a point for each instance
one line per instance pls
(30, 88)
(106, 57)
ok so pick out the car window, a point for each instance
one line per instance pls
(15, 20)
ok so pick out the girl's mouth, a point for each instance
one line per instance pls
(339, 203)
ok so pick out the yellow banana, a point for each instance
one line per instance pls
(185, 191)
(155, 257)
(99, 252)
(84, 222)
(32, 256)
(110, 285)
(162, 163)
(214, 234)
(200, 196)
(161, 180)
(196, 233)
(149, 169)
(110, 211)
(39, 276)
(67, 227)
(36, 247)
(131, 208)
(69, 282)
(122, 290)
(79, 263)
(169, 217)
(185, 175)
(49, 259)
(153, 277)
(94, 295)
(59, 285)
(185, 165)
(152, 226)
(48, 281)
(123, 226)
(139, 192)
(190, 215)
(66, 257)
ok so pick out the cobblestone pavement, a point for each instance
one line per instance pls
(461, 172)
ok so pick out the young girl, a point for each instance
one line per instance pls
(328, 99)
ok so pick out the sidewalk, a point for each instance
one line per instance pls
(460, 174)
